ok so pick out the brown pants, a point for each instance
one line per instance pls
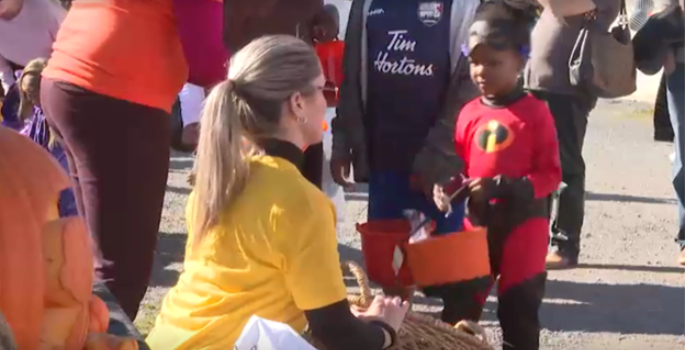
(118, 155)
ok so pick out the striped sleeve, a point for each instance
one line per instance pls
(640, 13)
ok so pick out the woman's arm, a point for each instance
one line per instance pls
(314, 277)
(339, 329)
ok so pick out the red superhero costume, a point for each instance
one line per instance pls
(512, 145)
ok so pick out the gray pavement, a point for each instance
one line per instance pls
(627, 294)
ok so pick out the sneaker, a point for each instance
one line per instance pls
(557, 261)
(681, 258)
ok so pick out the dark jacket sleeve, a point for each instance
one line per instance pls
(438, 161)
(350, 106)
(336, 327)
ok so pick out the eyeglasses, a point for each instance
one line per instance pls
(328, 88)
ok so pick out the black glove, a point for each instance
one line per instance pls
(512, 188)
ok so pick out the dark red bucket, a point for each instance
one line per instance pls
(379, 239)
(331, 56)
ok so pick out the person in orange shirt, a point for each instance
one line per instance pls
(114, 74)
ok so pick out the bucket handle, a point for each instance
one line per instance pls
(365, 297)
(472, 328)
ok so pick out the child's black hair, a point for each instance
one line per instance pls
(504, 25)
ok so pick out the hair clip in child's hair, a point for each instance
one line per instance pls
(525, 51)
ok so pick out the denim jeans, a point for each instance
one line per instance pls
(390, 194)
(676, 107)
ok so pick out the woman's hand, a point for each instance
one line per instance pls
(386, 309)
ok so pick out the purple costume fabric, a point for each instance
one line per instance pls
(200, 24)
(37, 129)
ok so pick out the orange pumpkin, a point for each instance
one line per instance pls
(46, 264)
(26, 199)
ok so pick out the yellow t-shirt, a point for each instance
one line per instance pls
(274, 254)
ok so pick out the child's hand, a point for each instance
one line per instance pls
(441, 199)
(481, 189)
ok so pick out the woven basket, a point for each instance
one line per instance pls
(418, 332)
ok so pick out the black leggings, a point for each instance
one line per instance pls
(118, 154)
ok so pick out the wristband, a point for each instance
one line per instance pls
(386, 327)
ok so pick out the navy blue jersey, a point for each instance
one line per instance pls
(408, 74)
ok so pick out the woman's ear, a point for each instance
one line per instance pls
(296, 105)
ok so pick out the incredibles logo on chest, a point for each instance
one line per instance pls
(493, 137)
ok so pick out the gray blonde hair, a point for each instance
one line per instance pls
(246, 107)
(33, 70)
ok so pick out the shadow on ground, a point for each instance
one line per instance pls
(611, 197)
(177, 163)
(623, 309)
(589, 307)
(170, 250)
(179, 190)
(656, 269)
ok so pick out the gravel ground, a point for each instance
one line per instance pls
(627, 294)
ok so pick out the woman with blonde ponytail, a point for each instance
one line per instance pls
(262, 238)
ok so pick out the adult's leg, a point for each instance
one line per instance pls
(121, 153)
(663, 131)
(570, 115)
(676, 107)
(312, 168)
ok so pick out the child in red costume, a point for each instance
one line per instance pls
(508, 142)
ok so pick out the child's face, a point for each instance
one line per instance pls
(495, 72)
(30, 85)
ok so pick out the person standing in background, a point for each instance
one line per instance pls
(27, 30)
(245, 21)
(547, 76)
(405, 81)
(660, 44)
(115, 71)
(643, 9)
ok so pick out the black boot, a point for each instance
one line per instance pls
(518, 314)
(461, 299)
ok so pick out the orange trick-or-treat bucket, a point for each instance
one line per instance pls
(379, 240)
(456, 257)
(331, 55)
